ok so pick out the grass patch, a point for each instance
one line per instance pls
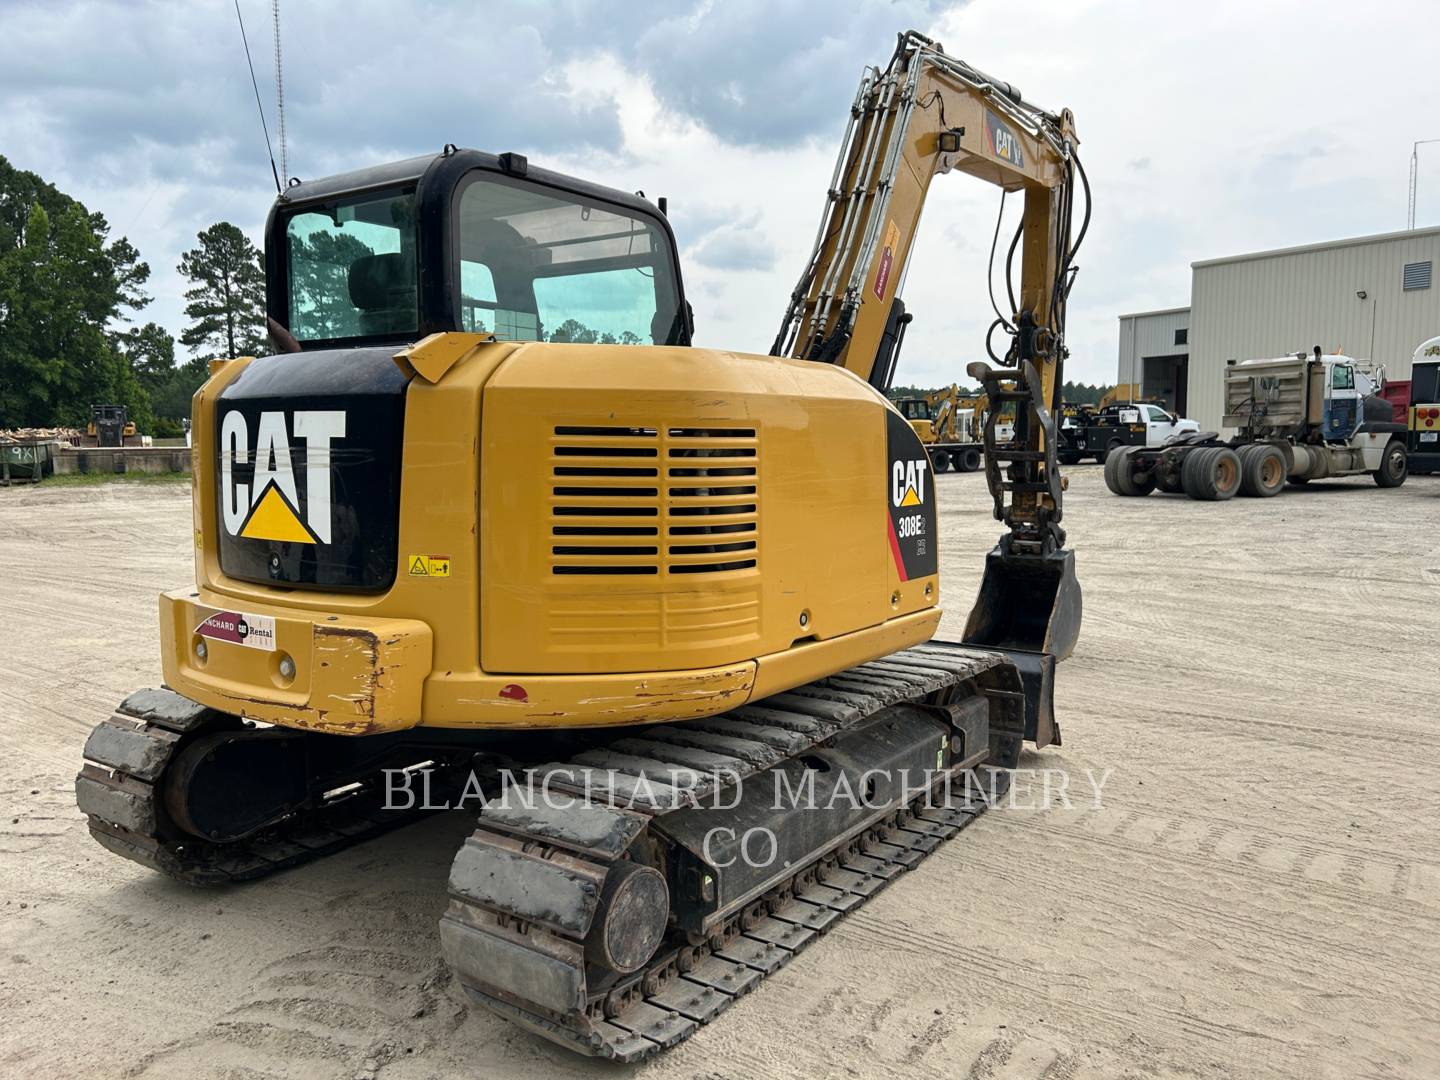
(94, 479)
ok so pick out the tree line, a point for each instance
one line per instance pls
(69, 297)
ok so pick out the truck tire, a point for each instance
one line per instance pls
(1069, 457)
(1394, 466)
(1104, 455)
(1120, 473)
(969, 460)
(941, 461)
(1112, 474)
(1262, 470)
(1211, 474)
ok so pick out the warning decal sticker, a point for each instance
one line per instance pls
(910, 500)
(239, 628)
(427, 565)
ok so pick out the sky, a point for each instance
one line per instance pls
(1206, 130)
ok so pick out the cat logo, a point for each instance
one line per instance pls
(907, 482)
(269, 506)
(1003, 143)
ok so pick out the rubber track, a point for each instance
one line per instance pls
(125, 806)
(127, 755)
(683, 989)
(690, 1000)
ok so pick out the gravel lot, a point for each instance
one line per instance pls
(1258, 893)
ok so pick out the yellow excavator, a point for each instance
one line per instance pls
(951, 426)
(488, 530)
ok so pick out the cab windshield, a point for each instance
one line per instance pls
(535, 263)
(540, 264)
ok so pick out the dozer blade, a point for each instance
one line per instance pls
(1029, 608)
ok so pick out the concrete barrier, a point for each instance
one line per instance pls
(129, 459)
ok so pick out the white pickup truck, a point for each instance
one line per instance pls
(1135, 423)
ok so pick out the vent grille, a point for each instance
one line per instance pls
(653, 501)
(1416, 276)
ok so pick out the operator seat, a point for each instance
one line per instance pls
(383, 288)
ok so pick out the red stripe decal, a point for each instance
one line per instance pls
(895, 548)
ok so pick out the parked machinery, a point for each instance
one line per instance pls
(1299, 418)
(109, 427)
(950, 424)
(1423, 426)
(1109, 427)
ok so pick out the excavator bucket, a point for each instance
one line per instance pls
(1029, 608)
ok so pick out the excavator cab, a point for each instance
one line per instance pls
(472, 242)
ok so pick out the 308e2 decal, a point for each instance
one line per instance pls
(910, 499)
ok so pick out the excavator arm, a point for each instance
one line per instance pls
(924, 115)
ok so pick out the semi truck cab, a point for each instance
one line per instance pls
(1346, 388)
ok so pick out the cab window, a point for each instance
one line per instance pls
(351, 268)
(1342, 377)
(540, 264)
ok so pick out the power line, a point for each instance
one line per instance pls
(263, 126)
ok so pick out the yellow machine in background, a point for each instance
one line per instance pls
(489, 509)
(952, 427)
(1119, 393)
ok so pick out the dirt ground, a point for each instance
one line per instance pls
(1258, 893)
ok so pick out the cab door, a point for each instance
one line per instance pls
(1159, 427)
(1342, 403)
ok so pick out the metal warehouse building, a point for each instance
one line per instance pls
(1371, 297)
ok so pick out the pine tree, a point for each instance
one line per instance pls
(227, 301)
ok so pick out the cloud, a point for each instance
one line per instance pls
(734, 245)
(1203, 142)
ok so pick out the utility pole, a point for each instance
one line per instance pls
(1414, 171)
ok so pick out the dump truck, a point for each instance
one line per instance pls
(1298, 418)
(621, 590)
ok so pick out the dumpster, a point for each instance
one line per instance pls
(27, 461)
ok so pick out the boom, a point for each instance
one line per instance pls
(926, 114)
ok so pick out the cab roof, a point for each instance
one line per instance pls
(411, 170)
